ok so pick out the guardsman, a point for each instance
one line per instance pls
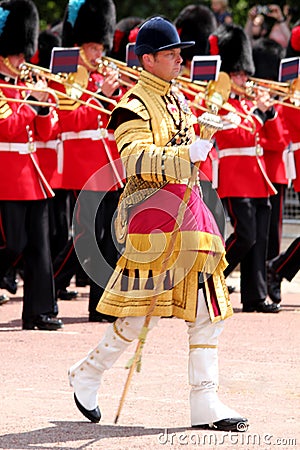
(267, 55)
(244, 185)
(50, 158)
(91, 164)
(24, 189)
(286, 265)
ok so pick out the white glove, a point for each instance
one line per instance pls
(200, 149)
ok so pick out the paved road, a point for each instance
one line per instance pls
(259, 376)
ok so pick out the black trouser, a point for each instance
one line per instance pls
(247, 245)
(94, 246)
(287, 264)
(60, 220)
(275, 231)
(25, 234)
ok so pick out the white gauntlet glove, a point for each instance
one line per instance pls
(199, 150)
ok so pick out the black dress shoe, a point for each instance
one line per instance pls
(43, 322)
(231, 289)
(3, 299)
(263, 307)
(10, 284)
(64, 294)
(98, 317)
(273, 283)
(93, 415)
(231, 424)
(266, 307)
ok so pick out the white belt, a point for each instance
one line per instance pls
(52, 144)
(288, 158)
(23, 148)
(242, 151)
(95, 135)
(295, 146)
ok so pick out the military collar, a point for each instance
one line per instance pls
(154, 83)
(8, 79)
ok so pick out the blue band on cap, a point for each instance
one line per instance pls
(73, 8)
(3, 17)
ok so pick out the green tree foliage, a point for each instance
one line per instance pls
(52, 11)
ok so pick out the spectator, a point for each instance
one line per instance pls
(221, 11)
(268, 21)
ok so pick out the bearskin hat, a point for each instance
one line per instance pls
(46, 41)
(233, 45)
(293, 48)
(89, 21)
(267, 55)
(19, 27)
(195, 22)
(125, 32)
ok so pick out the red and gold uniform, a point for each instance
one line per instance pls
(154, 131)
(151, 164)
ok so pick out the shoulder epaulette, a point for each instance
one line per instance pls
(134, 105)
(5, 110)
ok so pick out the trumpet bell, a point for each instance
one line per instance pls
(218, 91)
(76, 82)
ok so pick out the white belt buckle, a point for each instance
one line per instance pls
(103, 133)
(259, 150)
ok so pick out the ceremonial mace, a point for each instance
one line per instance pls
(216, 95)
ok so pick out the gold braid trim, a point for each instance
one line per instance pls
(192, 249)
(5, 109)
(121, 335)
(179, 301)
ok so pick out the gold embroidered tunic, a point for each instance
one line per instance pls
(153, 128)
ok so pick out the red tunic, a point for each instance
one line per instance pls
(291, 118)
(20, 175)
(241, 175)
(86, 156)
(274, 142)
(49, 154)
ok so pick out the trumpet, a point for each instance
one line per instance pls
(130, 72)
(205, 90)
(285, 91)
(105, 63)
(75, 83)
(27, 90)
